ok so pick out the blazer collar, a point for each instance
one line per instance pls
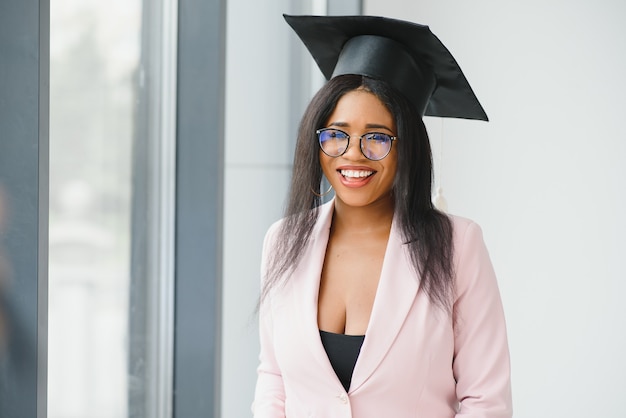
(397, 289)
(396, 293)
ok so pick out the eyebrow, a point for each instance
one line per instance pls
(367, 126)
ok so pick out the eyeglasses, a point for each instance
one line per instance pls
(374, 145)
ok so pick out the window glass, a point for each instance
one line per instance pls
(95, 54)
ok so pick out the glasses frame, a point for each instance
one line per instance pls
(319, 140)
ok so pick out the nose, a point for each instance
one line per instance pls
(354, 149)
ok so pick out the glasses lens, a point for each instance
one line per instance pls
(376, 146)
(333, 141)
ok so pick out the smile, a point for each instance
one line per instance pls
(356, 173)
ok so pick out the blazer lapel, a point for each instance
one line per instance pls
(306, 284)
(397, 289)
(395, 296)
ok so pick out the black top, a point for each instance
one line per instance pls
(342, 351)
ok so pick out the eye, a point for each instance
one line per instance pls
(378, 137)
(333, 133)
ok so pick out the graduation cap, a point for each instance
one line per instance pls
(406, 55)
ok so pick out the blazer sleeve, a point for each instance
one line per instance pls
(481, 364)
(269, 398)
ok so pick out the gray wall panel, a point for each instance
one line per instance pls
(199, 189)
(24, 93)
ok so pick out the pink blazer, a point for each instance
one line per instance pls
(414, 361)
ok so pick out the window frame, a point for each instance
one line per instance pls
(199, 207)
(191, 221)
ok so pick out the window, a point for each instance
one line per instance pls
(111, 208)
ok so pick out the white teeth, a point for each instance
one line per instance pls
(356, 173)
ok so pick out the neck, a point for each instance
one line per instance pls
(365, 219)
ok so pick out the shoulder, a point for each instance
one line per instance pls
(272, 231)
(323, 214)
(468, 244)
(270, 241)
(464, 231)
(460, 223)
(472, 263)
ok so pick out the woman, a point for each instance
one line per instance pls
(375, 304)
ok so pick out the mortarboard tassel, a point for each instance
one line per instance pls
(439, 201)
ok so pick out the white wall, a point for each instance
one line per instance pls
(546, 179)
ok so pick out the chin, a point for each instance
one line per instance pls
(361, 200)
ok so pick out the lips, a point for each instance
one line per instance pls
(355, 176)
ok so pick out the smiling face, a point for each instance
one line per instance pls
(358, 181)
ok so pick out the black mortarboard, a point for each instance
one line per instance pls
(406, 55)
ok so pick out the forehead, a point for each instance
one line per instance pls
(359, 108)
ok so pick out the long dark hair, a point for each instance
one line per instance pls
(426, 231)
